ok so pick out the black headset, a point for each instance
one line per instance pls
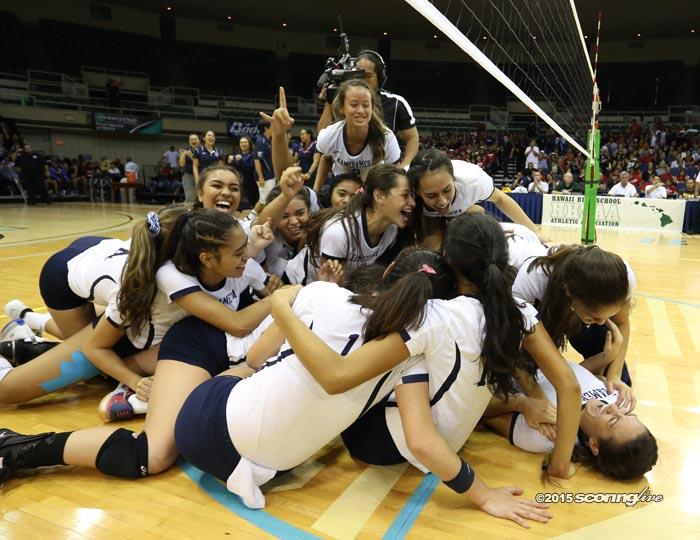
(379, 63)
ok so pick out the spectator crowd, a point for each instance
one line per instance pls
(651, 160)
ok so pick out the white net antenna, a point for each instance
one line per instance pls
(536, 49)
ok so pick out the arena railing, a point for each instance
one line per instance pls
(49, 89)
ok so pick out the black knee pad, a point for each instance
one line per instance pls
(124, 455)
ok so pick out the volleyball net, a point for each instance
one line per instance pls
(537, 50)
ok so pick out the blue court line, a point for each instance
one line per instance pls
(647, 240)
(412, 509)
(261, 519)
(677, 242)
(668, 300)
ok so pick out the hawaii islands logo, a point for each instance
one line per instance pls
(664, 218)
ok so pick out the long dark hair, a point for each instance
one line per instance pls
(475, 247)
(621, 460)
(588, 274)
(138, 288)
(376, 135)
(416, 276)
(380, 178)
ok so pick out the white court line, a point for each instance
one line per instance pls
(690, 315)
(16, 257)
(664, 336)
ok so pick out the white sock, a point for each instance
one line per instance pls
(36, 321)
(140, 407)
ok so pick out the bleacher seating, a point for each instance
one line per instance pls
(11, 43)
(432, 83)
(74, 45)
(229, 70)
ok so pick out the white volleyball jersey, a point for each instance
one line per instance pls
(277, 255)
(451, 339)
(530, 285)
(331, 142)
(523, 436)
(173, 284)
(95, 273)
(472, 185)
(522, 244)
(297, 267)
(237, 347)
(281, 416)
(336, 243)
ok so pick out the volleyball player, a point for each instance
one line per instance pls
(67, 363)
(205, 256)
(358, 141)
(449, 335)
(611, 439)
(72, 282)
(204, 245)
(447, 188)
(361, 232)
(583, 295)
(341, 190)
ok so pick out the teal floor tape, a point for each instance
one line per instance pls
(412, 509)
(261, 519)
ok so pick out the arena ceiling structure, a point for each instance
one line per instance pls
(622, 19)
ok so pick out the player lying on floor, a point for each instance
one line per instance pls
(611, 439)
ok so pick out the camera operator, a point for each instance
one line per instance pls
(396, 111)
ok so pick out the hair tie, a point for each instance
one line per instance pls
(360, 190)
(153, 222)
(489, 262)
(426, 269)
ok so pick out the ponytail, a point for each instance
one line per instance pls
(414, 278)
(137, 289)
(475, 246)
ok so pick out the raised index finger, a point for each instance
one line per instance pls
(283, 98)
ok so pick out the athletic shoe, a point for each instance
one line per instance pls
(115, 405)
(17, 329)
(14, 448)
(15, 309)
(21, 351)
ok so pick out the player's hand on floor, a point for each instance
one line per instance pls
(506, 503)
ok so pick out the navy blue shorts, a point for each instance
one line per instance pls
(201, 431)
(53, 280)
(369, 439)
(197, 343)
(590, 340)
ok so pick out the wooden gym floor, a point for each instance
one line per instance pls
(330, 496)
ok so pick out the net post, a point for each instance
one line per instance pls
(588, 234)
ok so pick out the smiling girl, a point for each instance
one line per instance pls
(447, 188)
(360, 140)
(361, 232)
